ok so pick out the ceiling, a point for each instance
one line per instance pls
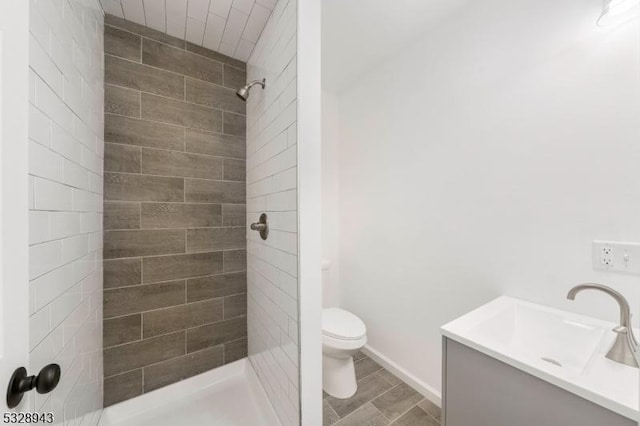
(231, 27)
(357, 35)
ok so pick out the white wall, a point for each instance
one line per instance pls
(272, 264)
(65, 217)
(331, 289)
(309, 125)
(483, 160)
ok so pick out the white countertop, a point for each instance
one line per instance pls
(521, 334)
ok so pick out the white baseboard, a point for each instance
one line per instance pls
(427, 391)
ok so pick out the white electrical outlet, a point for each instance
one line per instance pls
(606, 255)
(615, 256)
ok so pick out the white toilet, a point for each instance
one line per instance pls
(343, 334)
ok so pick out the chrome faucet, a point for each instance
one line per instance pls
(625, 348)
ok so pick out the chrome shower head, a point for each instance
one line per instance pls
(243, 92)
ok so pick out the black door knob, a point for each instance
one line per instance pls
(46, 381)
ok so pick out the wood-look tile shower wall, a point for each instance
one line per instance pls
(175, 242)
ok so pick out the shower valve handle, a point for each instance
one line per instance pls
(258, 226)
(262, 226)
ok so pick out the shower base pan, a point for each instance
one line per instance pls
(230, 395)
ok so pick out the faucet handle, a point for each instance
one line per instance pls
(620, 329)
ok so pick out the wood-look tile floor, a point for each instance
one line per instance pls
(382, 399)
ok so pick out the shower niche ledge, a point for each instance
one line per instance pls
(513, 362)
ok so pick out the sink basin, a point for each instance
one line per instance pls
(562, 348)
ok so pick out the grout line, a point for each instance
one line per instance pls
(172, 281)
(184, 330)
(165, 360)
(169, 177)
(170, 150)
(194, 129)
(154, 256)
(175, 73)
(140, 152)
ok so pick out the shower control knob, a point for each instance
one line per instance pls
(46, 381)
(262, 226)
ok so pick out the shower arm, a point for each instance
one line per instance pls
(260, 82)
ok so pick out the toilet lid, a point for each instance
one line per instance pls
(341, 324)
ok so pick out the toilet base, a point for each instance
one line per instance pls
(339, 376)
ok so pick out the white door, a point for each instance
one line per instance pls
(14, 195)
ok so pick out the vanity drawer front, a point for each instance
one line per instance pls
(482, 391)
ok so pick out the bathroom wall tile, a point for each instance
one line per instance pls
(125, 187)
(122, 272)
(234, 77)
(203, 191)
(180, 368)
(122, 158)
(145, 352)
(171, 163)
(181, 61)
(122, 43)
(214, 96)
(166, 268)
(118, 331)
(125, 130)
(130, 26)
(121, 215)
(234, 214)
(215, 334)
(122, 387)
(216, 286)
(215, 144)
(121, 72)
(181, 113)
(121, 101)
(140, 298)
(66, 81)
(163, 321)
(216, 56)
(235, 260)
(368, 389)
(234, 124)
(181, 215)
(397, 401)
(158, 138)
(203, 239)
(235, 306)
(235, 350)
(136, 243)
(234, 170)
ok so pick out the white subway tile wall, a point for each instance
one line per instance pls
(231, 27)
(272, 188)
(65, 219)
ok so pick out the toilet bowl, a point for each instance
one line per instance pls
(343, 335)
